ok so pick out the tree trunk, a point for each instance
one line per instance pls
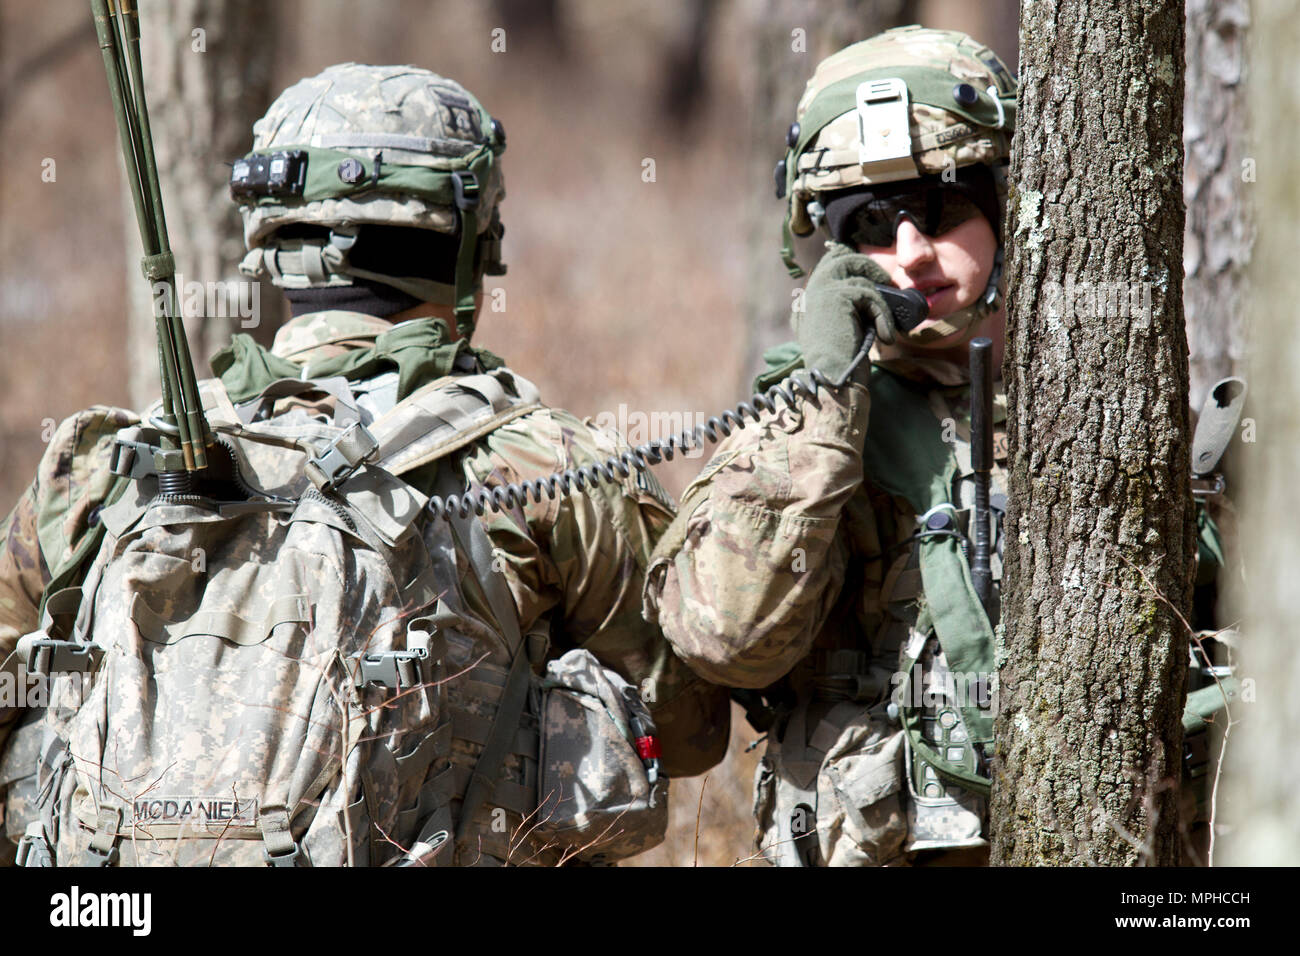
(205, 90)
(783, 61)
(1100, 543)
(1220, 226)
(1263, 778)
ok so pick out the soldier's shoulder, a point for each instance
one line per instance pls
(74, 474)
(549, 440)
(81, 446)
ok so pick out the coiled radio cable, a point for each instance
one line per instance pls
(615, 468)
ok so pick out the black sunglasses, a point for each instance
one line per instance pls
(933, 210)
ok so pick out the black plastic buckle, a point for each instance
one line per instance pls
(465, 189)
(102, 858)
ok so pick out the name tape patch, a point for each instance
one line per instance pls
(197, 811)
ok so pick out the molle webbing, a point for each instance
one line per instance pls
(905, 455)
(448, 414)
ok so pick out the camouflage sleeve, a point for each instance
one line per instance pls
(23, 573)
(50, 518)
(582, 559)
(747, 574)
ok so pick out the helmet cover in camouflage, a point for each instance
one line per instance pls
(957, 95)
(908, 103)
(361, 110)
(383, 145)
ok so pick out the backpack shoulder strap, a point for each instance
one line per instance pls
(473, 541)
(448, 414)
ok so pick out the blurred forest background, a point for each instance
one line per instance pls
(658, 295)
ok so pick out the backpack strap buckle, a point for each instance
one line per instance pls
(133, 455)
(396, 670)
(48, 657)
(342, 457)
(279, 847)
(34, 848)
(102, 850)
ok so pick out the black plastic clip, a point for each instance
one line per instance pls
(465, 189)
(102, 858)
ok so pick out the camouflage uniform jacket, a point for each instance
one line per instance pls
(574, 565)
(788, 569)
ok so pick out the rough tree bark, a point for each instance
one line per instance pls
(782, 63)
(1100, 544)
(1262, 776)
(1220, 227)
(204, 91)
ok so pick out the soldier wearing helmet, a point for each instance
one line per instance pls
(811, 564)
(371, 198)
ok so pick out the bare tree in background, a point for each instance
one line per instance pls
(1220, 227)
(1100, 539)
(790, 38)
(538, 23)
(207, 72)
(685, 83)
(1263, 777)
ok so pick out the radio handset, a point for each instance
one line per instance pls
(907, 305)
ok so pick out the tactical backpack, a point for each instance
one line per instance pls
(293, 678)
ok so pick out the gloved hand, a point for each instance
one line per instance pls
(839, 301)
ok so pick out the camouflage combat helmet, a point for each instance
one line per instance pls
(906, 104)
(384, 145)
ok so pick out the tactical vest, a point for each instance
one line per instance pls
(867, 766)
(944, 702)
(829, 789)
(297, 677)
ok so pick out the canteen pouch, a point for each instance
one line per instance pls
(598, 796)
